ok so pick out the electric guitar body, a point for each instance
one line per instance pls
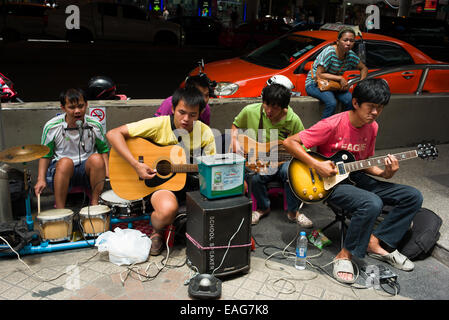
(262, 156)
(310, 187)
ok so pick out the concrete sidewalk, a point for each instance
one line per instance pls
(88, 275)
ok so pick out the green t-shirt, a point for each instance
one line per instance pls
(249, 118)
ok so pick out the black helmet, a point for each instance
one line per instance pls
(101, 88)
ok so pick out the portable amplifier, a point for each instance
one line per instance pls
(210, 226)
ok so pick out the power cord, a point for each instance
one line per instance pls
(145, 276)
(34, 273)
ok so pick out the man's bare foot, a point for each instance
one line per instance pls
(344, 255)
(374, 246)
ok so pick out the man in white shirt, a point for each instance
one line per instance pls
(78, 151)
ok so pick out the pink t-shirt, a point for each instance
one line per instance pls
(337, 133)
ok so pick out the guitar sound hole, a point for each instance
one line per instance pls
(163, 167)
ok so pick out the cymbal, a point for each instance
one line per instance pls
(24, 153)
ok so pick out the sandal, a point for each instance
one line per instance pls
(157, 244)
(257, 215)
(396, 259)
(301, 219)
(343, 265)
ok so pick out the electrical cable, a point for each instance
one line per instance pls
(145, 277)
(392, 6)
(33, 273)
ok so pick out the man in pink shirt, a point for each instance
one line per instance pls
(355, 131)
(202, 83)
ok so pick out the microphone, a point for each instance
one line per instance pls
(79, 124)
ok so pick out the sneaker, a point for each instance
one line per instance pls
(301, 219)
(256, 215)
(157, 244)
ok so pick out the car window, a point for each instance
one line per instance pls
(381, 54)
(283, 51)
(108, 9)
(130, 12)
(24, 10)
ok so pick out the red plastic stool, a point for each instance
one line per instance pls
(274, 188)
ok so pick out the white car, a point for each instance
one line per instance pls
(112, 21)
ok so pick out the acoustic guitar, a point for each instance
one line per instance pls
(310, 187)
(263, 156)
(169, 162)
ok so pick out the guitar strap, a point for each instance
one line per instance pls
(260, 121)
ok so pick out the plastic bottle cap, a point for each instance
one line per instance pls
(302, 233)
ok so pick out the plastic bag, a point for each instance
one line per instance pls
(125, 246)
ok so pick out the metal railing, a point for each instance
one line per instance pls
(422, 80)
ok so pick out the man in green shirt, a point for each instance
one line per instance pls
(270, 121)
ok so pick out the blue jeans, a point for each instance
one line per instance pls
(329, 98)
(260, 192)
(365, 200)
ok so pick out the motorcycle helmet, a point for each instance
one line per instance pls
(101, 88)
(282, 80)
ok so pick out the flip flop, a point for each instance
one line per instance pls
(343, 265)
(396, 259)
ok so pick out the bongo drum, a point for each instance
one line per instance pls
(55, 225)
(121, 207)
(95, 220)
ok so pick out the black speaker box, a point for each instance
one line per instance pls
(210, 226)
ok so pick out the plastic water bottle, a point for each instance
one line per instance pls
(301, 251)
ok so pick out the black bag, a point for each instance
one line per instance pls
(17, 234)
(419, 241)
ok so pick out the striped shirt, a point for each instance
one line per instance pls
(66, 143)
(329, 60)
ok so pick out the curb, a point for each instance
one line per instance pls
(441, 254)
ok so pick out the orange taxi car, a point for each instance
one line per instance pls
(292, 54)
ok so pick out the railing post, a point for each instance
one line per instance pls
(422, 81)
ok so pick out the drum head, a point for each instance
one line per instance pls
(94, 210)
(110, 197)
(54, 214)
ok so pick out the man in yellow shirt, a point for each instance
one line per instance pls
(181, 127)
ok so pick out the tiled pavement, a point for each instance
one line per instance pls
(85, 274)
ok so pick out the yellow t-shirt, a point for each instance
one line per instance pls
(159, 131)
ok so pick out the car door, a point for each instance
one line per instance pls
(108, 26)
(384, 54)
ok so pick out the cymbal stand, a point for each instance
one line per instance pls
(2, 137)
(27, 182)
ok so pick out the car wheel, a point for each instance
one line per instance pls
(166, 38)
(79, 36)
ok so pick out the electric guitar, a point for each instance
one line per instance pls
(262, 156)
(310, 187)
(169, 162)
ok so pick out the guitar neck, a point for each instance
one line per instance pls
(184, 168)
(378, 161)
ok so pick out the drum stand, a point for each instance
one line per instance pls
(44, 246)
